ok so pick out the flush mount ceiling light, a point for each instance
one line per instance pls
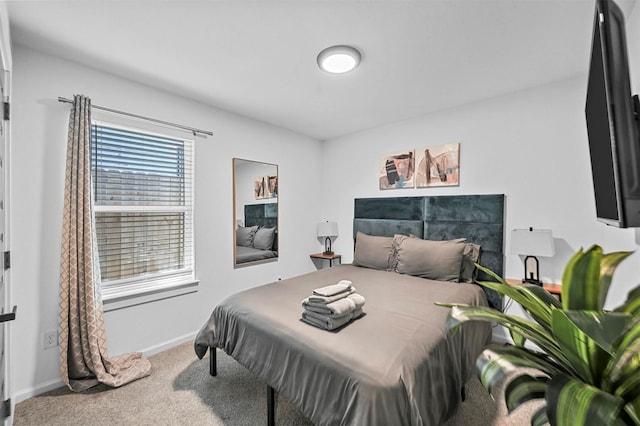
(338, 59)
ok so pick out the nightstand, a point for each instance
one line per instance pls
(555, 289)
(329, 257)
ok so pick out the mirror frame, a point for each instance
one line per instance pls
(234, 164)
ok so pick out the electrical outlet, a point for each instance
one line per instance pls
(49, 339)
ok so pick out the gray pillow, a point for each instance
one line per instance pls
(263, 240)
(245, 235)
(436, 260)
(372, 251)
(393, 260)
(470, 256)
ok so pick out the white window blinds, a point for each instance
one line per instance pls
(143, 190)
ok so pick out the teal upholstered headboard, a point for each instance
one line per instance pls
(261, 215)
(478, 218)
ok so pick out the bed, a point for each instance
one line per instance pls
(257, 240)
(395, 364)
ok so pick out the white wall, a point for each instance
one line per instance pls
(530, 146)
(39, 138)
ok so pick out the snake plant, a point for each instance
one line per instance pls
(587, 358)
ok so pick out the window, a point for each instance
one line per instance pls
(144, 209)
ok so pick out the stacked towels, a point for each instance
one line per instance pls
(332, 306)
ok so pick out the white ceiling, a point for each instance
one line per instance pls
(258, 58)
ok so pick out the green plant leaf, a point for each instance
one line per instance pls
(603, 328)
(610, 262)
(571, 402)
(626, 371)
(461, 313)
(524, 388)
(492, 368)
(584, 354)
(543, 299)
(626, 362)
(632, 304)
(540, 310)
(492, 274)
(521, 357)
(630, 387)
(633, 410)
(533, 298)
(567, 275)
(543, 295)
(528, 329)
(539, 417)
(497, 361)
(581, 280)
(518, 340)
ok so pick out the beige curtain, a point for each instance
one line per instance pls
(84, 361)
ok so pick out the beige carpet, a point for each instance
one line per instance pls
(181, 392)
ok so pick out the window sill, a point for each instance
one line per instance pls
(113, 299)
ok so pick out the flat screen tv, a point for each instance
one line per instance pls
(612, 126)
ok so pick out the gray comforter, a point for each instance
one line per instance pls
(395, 365)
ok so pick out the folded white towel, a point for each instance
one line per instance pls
(326, 323)
(336, 309)
(328, 299)
(331, 290)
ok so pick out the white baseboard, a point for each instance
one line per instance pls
(37, 390)
(169, 344)
(25, 394)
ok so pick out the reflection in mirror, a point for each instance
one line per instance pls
(255, 212)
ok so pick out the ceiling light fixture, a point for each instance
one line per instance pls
(338, 59)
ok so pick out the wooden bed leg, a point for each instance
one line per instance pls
(213, 363)
(271, 406)
(463, 393)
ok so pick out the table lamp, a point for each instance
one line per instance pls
(327, 230)
(531, 243)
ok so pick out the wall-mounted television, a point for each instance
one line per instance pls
(612, 126)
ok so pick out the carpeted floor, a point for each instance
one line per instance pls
(181, 392)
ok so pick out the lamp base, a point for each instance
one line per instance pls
(531, 281)
(531, 271)
(327, 247)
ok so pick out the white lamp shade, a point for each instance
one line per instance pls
(328, 229)
(532, 242)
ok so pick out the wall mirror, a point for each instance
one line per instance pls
(255, 212)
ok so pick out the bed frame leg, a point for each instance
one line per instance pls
(463, 393)
(271, 406)
(213, 363)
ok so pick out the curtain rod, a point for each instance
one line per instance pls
(191, 129)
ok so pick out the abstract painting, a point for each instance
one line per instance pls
(438, 166)
(397, 170)
(265, 187)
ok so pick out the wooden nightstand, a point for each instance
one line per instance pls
(329, 257)
(555, 289)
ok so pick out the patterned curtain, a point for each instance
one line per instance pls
(84, 361)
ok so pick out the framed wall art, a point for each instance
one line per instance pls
(397, 170)
(265, 187)
(438, 166)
